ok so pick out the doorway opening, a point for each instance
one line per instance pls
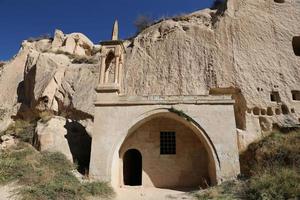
(132, 168)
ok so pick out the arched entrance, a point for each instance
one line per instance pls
(175, 155)
(132, 167)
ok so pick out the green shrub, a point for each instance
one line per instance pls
(21, 129)
(15, 163)
(84, 59)
(278, 149)
(274, 183)
(45, 175)
(271, 167)
(98, 188)
(45, 116)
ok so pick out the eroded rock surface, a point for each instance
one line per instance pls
(248, 50)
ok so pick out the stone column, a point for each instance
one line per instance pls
(102, 69)
(121, 71)
(117, 69)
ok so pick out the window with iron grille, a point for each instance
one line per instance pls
(167, 143)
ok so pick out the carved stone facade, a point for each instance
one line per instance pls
(127, 141)
(112, 60)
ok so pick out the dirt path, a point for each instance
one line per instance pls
(6, 192)
(140, 193)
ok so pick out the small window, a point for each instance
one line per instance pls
(296, 45)
(275, 97)
(279, 1)
(296, 95)
(167, 143)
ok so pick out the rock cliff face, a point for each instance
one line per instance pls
(250, 49)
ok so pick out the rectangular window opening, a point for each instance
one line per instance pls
(275, 97)
(167, 143)
(296, 95)
(296, 45)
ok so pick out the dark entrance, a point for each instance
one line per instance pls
(132, 167)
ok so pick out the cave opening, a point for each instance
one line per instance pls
(80, 145)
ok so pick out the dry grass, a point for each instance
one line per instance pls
(21, 129)
(45, 176)
(271, 170)
(42, 175)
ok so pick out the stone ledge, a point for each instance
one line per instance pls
(165, 100)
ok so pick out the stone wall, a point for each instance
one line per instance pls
(187, 168)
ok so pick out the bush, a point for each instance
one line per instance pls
(84, 59)
(271, 167)
(228, 190)
(274, 183)
(45, 175)
(98, 188)
(278, 149)
(21, 129)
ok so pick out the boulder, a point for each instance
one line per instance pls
(58, 40)
(8, 141)
(74, 44)
(11, 86)
(51, 136)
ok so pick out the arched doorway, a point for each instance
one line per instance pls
(174, 153)
(132, 168)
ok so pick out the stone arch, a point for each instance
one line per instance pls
(213, 163)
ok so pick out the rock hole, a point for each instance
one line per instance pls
(45, 99)
(296, 45)
(265, 124)
(260, 89)
(275, 97)
(80, 145)
(263, 112)
(256, 111)
(270, 111)
(277, 111)
(292, 110)
(285, 109)
(279, 1)
(296, 95)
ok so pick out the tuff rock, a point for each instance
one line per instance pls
(245, 49)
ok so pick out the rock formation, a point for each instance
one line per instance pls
(248, 49)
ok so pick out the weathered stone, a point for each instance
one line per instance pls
(58, 40)
(51, 136)
(8, 141)
(251, 47)
(11, 85)
(70, 45)
(115, 31)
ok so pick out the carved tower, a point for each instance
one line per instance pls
(111, 68)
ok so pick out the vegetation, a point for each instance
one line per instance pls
(42, 175)
(45, 175)
(180, 113)
(21, 129)
(270, 170)
(84, 59)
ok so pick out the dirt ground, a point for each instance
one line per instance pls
(140, 193)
